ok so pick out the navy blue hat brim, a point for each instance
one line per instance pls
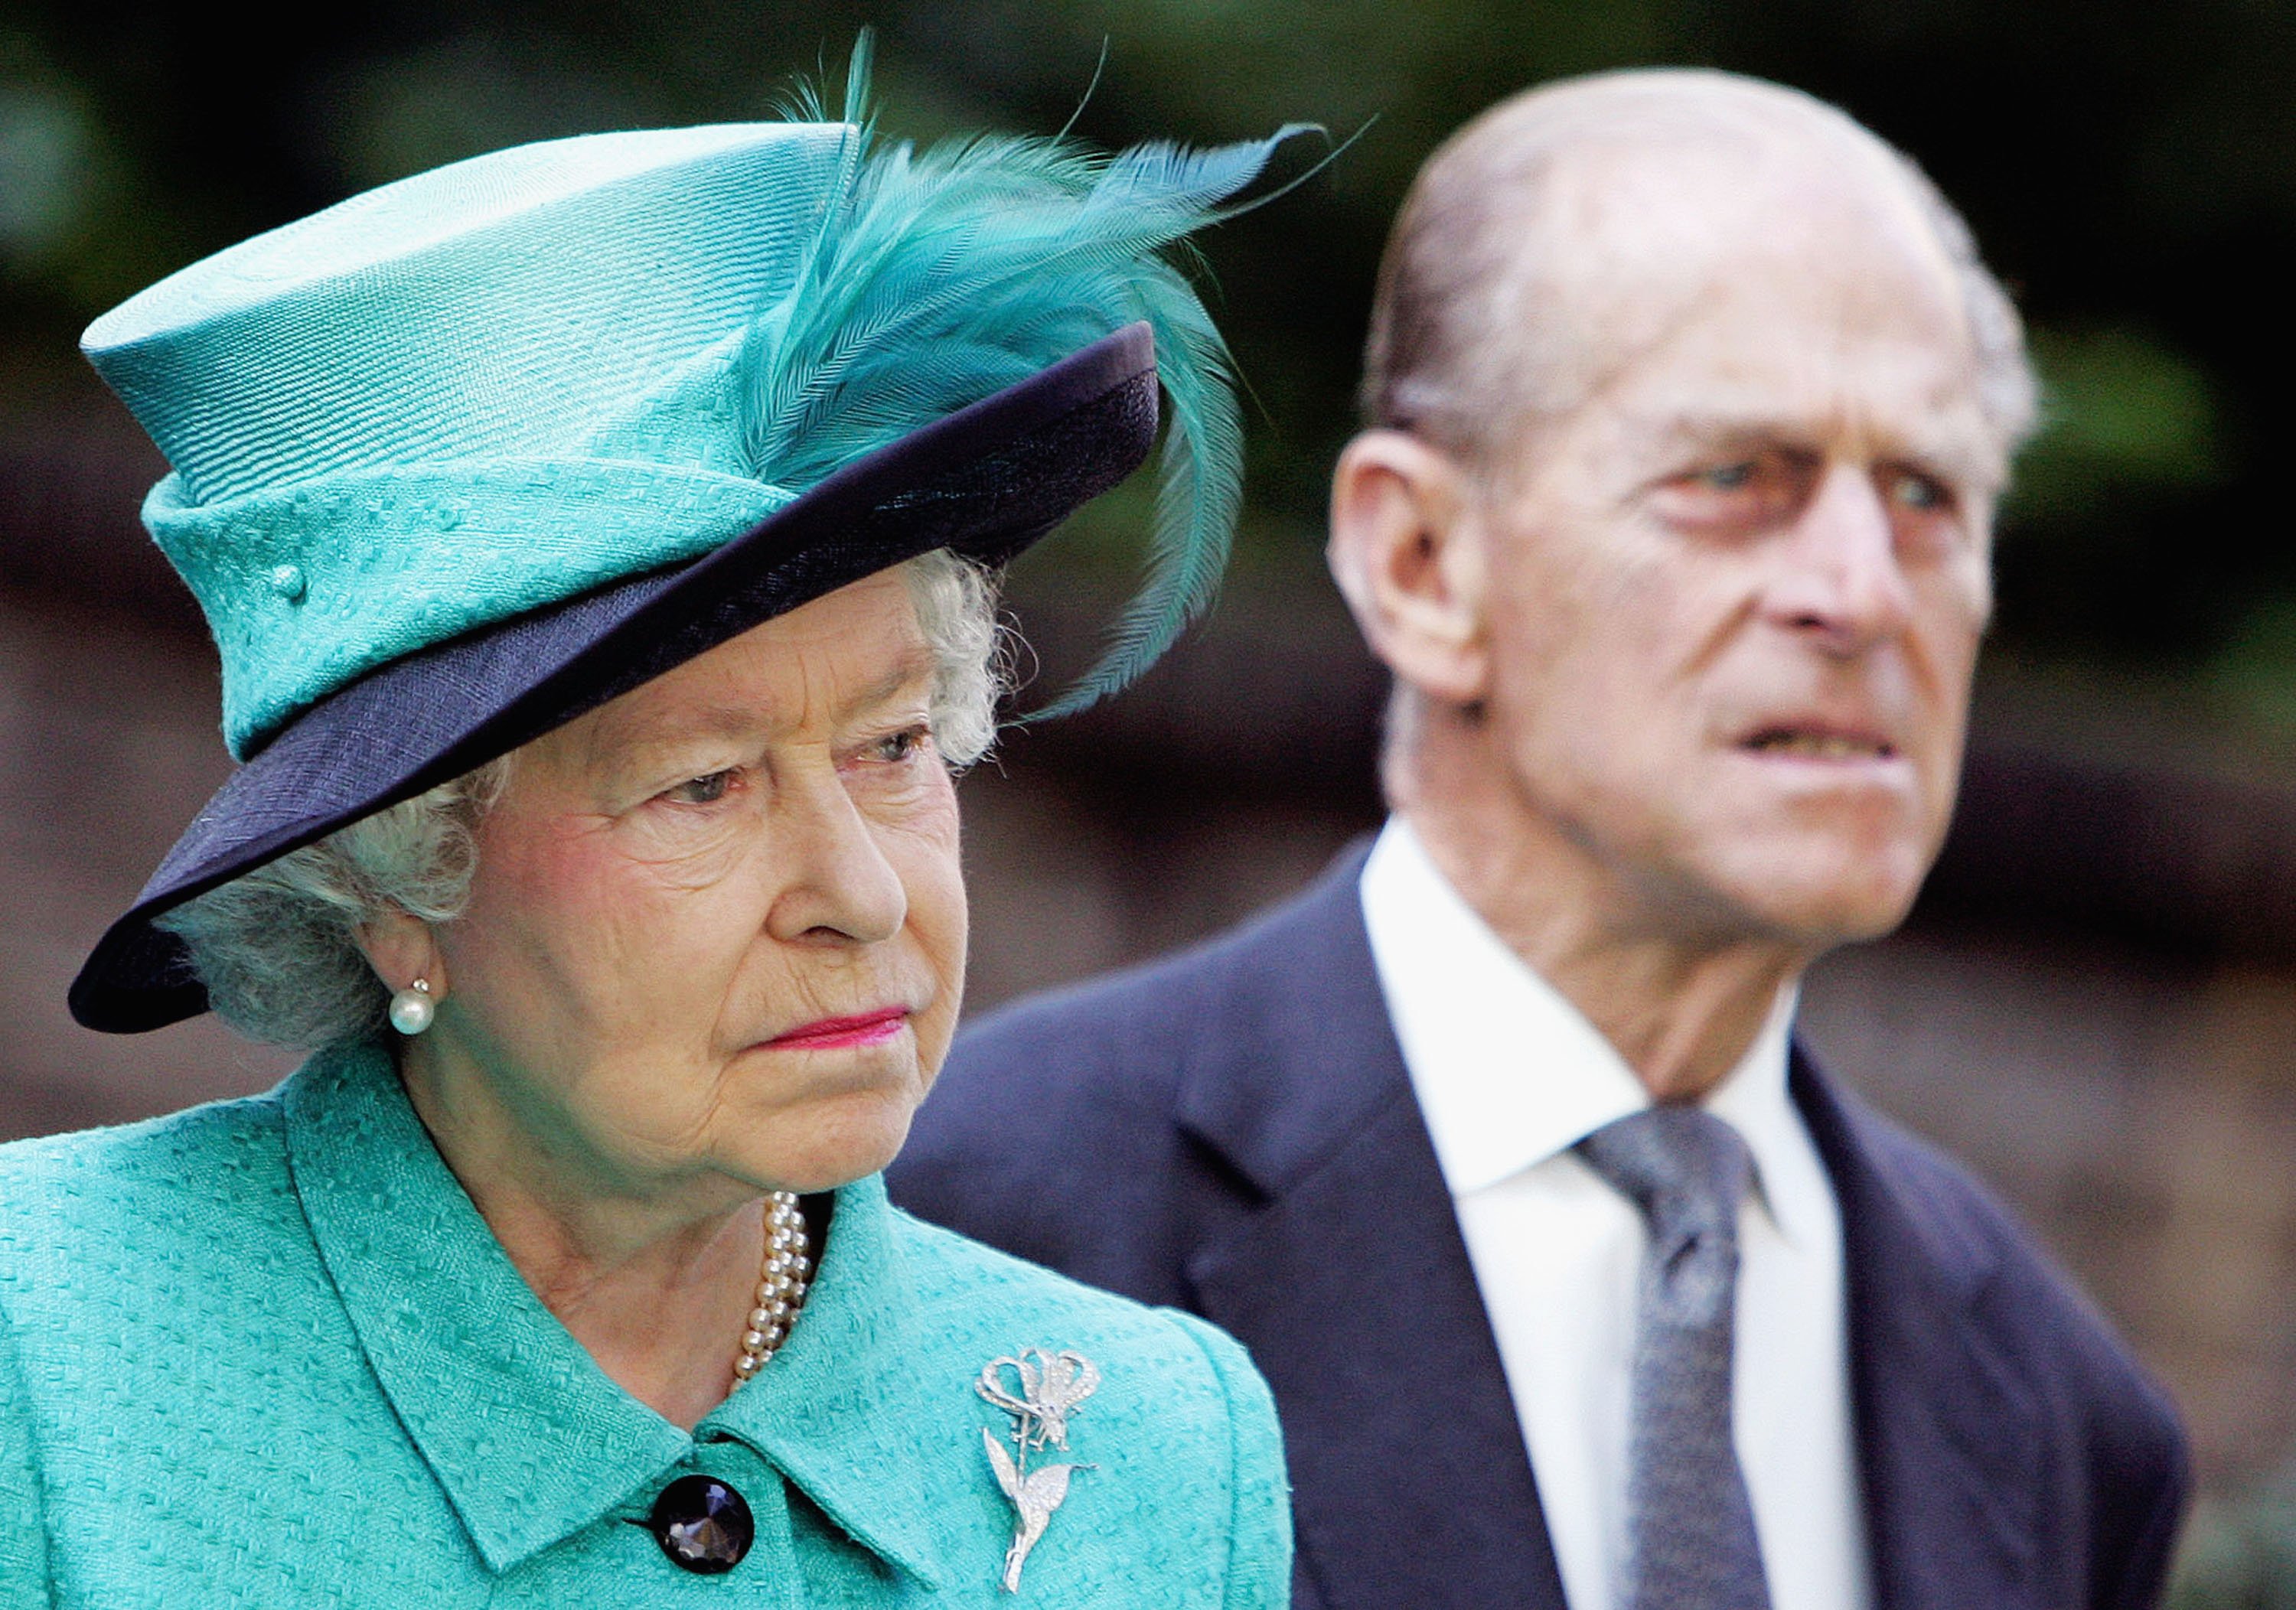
(986, 482)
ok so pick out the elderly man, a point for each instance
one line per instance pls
(1578, 1283)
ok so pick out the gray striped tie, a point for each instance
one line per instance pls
(1690, 1525)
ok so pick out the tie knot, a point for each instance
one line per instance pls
(1683, 1168)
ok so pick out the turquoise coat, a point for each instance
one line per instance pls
(266, 1353)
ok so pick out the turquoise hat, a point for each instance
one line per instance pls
(461, 457)
(480, 390)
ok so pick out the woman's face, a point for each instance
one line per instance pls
(717, 925)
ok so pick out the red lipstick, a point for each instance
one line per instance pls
(866, 1028)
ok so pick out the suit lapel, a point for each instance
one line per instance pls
(1948, 1446)
(1351, 1286)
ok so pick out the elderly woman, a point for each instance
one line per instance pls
(597, 538)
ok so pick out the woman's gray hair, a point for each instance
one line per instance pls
(278, 947)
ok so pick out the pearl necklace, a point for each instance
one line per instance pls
(781, 1285)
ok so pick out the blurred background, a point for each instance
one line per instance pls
(2095, 1003)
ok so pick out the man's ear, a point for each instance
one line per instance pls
(1407, 551)
(401, 949)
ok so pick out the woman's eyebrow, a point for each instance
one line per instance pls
(912, 666)
(631, 742)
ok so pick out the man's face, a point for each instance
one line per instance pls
(1735, 596)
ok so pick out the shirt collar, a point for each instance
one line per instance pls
(530, 1439)
(1508, 1073)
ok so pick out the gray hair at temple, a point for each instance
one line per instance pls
(278, 947)
(1473, 329)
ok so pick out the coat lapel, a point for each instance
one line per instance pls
(1351, 1286)
(1949, 1447)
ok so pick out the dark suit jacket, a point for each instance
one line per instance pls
(1232, 1130)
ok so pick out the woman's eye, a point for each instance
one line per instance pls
(901, 746)
(707, 789)
(1728, 478)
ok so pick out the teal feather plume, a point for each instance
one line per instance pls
(937, 277)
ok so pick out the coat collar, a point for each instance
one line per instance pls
(529, 1439)
(1350, 1283)
(1298, 1055)
(839, 1407)
(1950, 1446)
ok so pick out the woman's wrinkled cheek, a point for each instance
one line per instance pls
(932, 870)
(583, 945)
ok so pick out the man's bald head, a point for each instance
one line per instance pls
(1565, 231)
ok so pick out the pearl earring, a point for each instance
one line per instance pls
(411, 1009)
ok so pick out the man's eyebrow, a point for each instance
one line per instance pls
(1958, 450)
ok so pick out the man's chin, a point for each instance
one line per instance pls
(1817, 878)
(1815, 914)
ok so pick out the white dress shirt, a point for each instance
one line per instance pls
(1510, 1076)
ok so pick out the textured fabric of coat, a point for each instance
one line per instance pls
(268, 1353)
(1239, 1137)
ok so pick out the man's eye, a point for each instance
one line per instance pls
(707, 789)
(1740, 494)
(1918, 492)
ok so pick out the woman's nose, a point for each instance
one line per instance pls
(836, 885)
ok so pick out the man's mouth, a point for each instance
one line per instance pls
(1805, 743)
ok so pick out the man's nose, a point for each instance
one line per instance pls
(836, 884)
(1840, 579)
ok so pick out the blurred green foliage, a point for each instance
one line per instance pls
(2123, 416)
(2130, 166)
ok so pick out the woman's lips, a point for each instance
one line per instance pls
(866, 1028)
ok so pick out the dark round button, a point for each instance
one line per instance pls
(702, 1524)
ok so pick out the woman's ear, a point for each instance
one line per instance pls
(1406, 550)
(401, 949)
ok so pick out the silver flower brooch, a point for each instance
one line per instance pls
(1051, 1386)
